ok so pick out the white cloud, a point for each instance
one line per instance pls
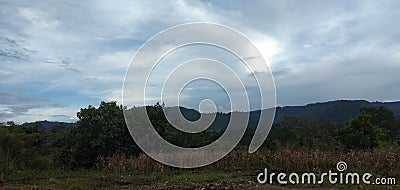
(38, 18)
(319, 50)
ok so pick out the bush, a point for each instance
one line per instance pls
(40, 163)
(360, 133)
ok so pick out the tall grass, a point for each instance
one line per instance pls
(380, 161)
(122, 164)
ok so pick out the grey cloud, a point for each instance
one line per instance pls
(275, 72)
(74, 69)
(64, 63)
(90, 78)
(327, 49)
(7, 98)
(368, 74)
(13, 49)
(16, 105)
(280, 71)
(60, 62)
(6, 116)
(20, 108)
(345, 50)
(61, 117)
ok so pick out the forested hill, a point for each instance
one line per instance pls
(338, 111)
(48, 124)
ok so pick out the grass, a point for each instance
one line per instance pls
(201, 177)
(96, 179)
(238, 167)
(380, 161)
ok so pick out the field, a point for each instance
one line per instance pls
(237, 171)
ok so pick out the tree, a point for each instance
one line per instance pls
(99, 132)
(360, 133)
(173, 135)
(22, 148)
(302, 132)
(157, 118)
(383, 118)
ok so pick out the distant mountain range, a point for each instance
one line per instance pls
(339, 111)
(48, 124)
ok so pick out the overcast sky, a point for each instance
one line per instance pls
(56, 58)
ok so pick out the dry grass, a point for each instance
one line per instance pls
(122, 164)
(378, 161)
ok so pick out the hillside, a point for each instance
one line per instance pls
(48, 124)
(339, 111)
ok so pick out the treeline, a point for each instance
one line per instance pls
(23, 147)
(102, 132)
(371, 128)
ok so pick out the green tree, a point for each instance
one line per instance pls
(360, 133)
(157, 118)
(173, 135)
(302, 132)
(383, 118)
(99, 132)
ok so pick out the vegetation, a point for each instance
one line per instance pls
(100, 153)
(99, 132)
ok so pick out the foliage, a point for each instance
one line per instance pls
(301, 132)
(360, 133)
(379, 161)
(99, 132)
(101, 139)
(25, 147)
(384, 119)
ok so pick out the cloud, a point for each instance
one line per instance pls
(11, 49)
(280, 71)
(77, 52)
(38, 18)
(7, 98)
(369, 74)
(334, 50)
(13, 105)
(64, 63)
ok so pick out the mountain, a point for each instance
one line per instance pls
(339, 111)
(48, 124)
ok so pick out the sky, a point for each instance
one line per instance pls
(58, 57)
